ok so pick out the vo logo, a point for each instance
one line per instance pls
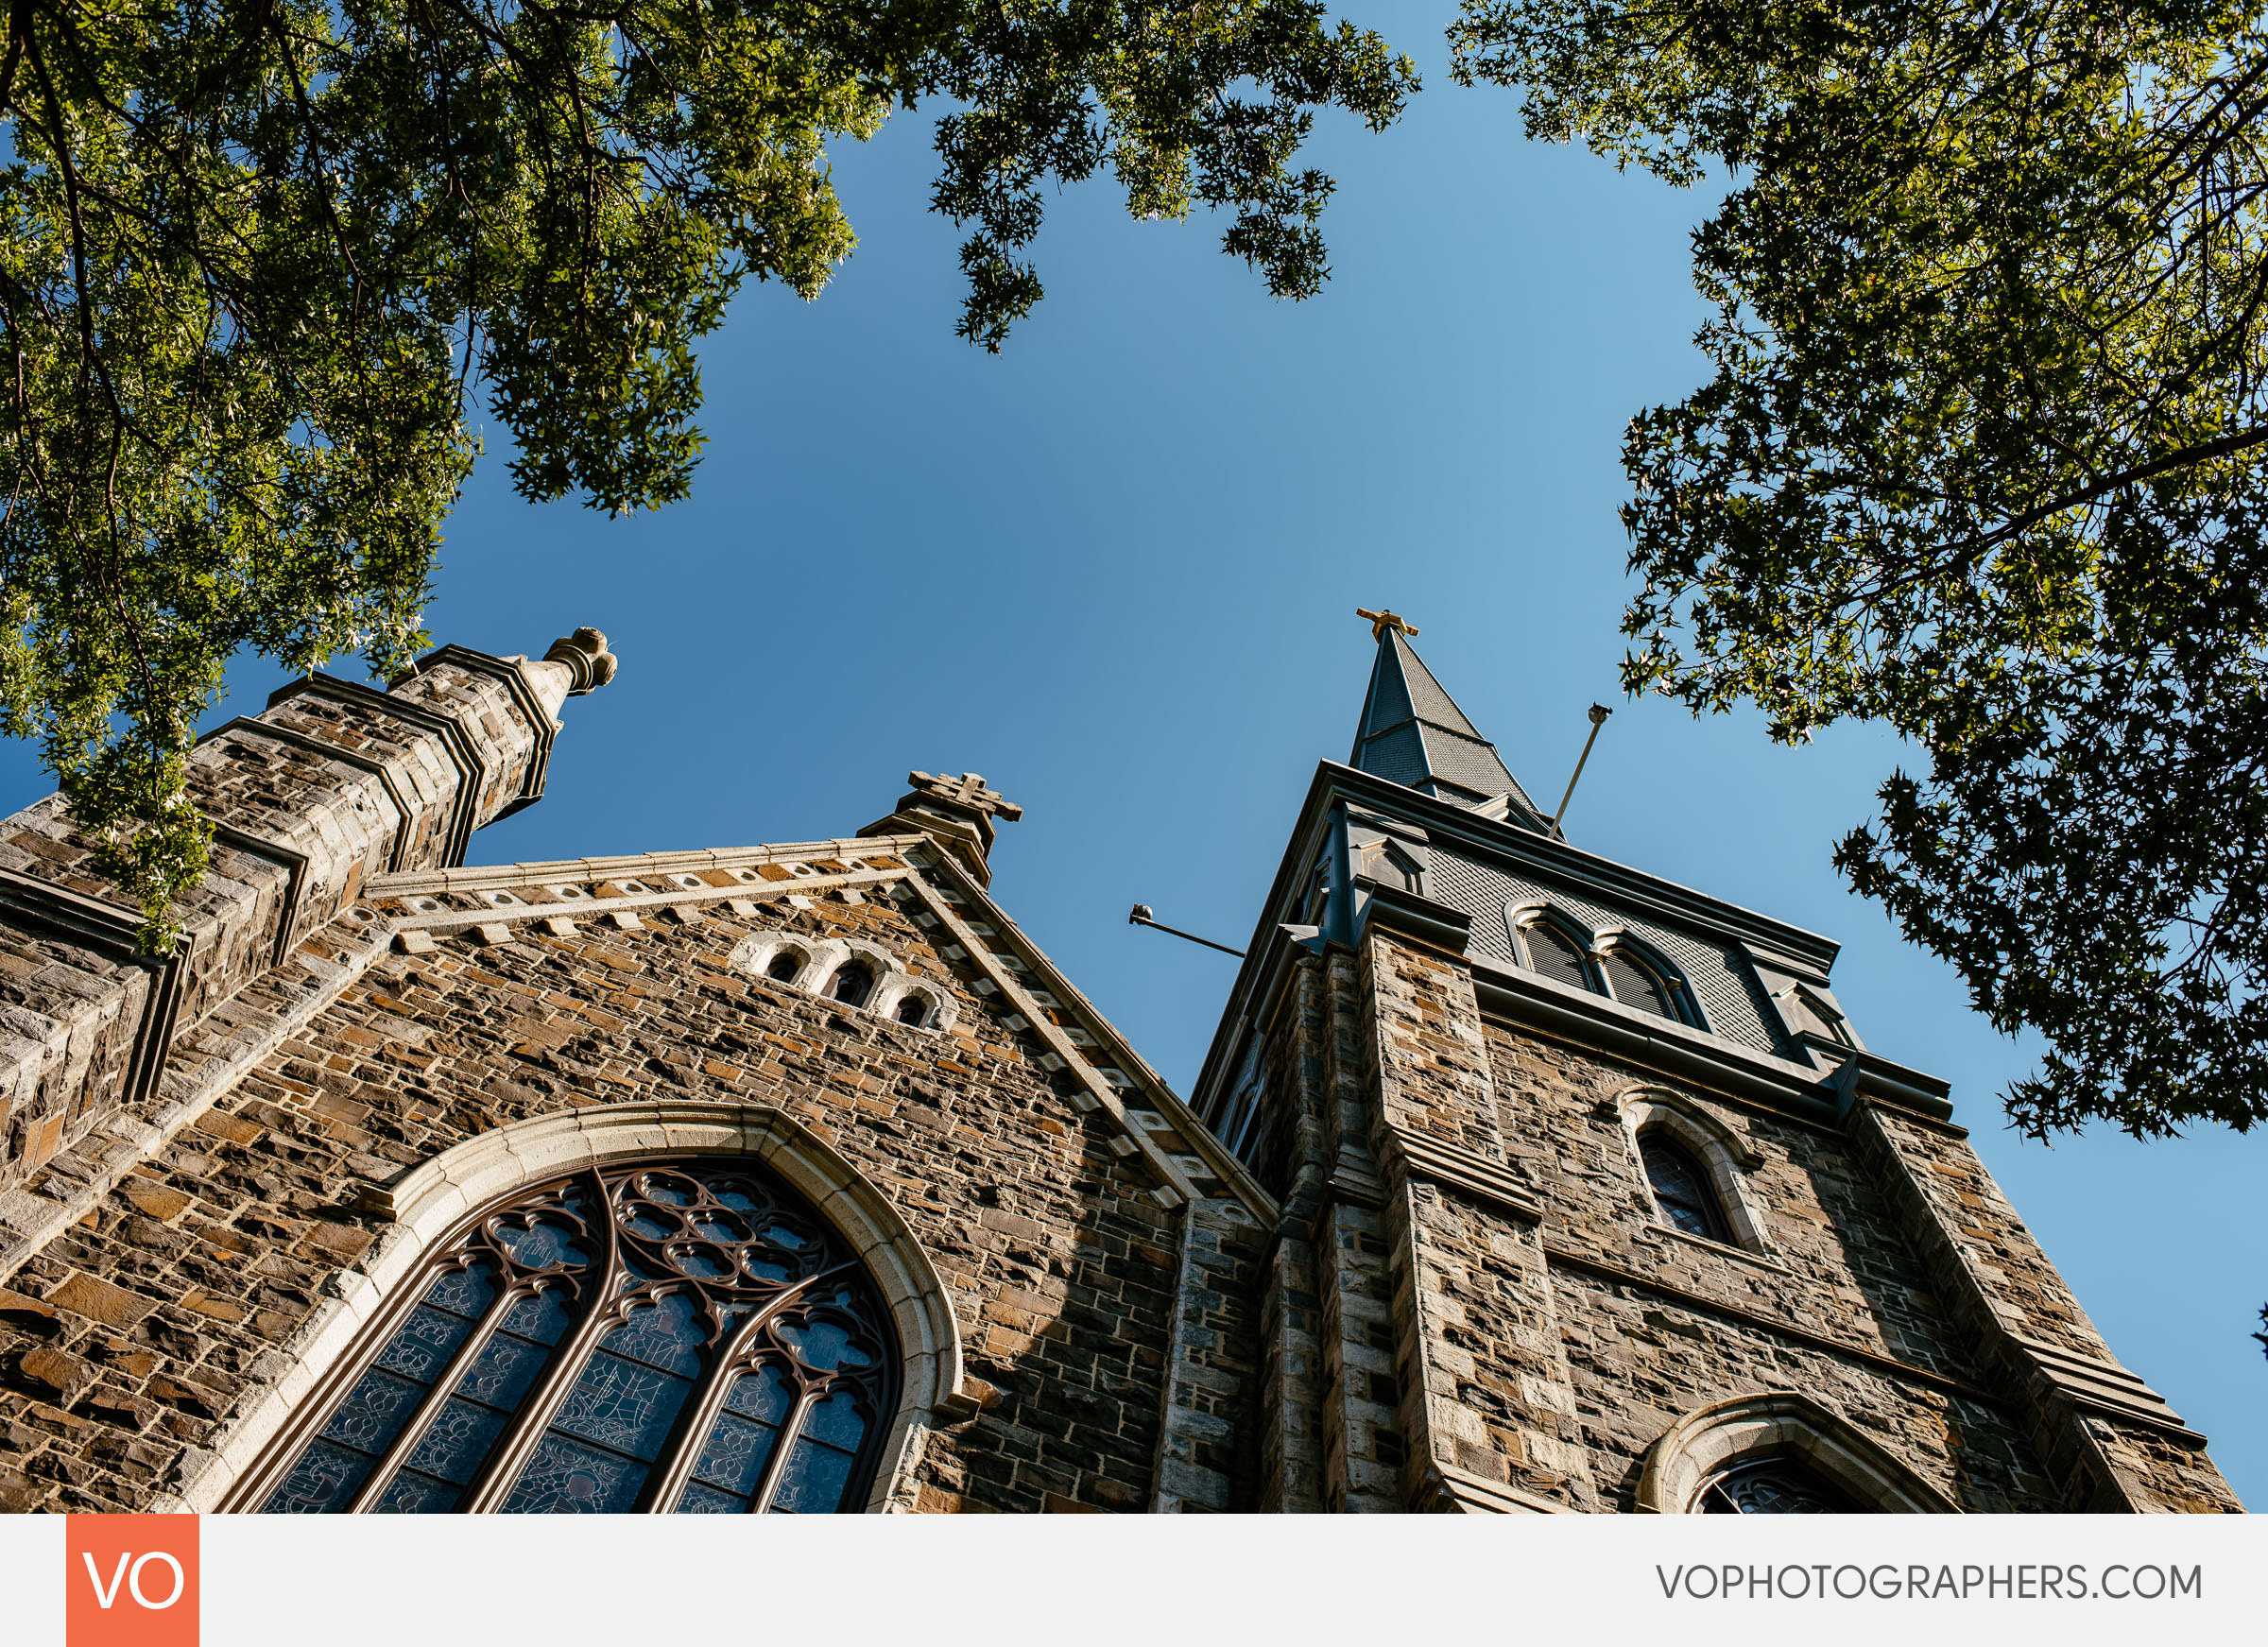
(130, 1581)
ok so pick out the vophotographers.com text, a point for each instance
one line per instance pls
(1914, 1581)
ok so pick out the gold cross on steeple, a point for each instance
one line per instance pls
(1385, 619)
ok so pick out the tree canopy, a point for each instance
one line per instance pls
(262, 259)
(1980, 458)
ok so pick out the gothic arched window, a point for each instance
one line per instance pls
(852, 982)
(1771, 1486)
(1681, 1188)
(663, 1335)
(784, 967)
(1557, 956)
(913, 1009)
(1635, 983)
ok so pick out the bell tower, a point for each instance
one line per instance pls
(1596, 1200)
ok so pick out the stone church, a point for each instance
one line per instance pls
(798, 1179)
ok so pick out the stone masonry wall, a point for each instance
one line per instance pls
(327, 787)
(1551, 1325)
(1658, 1322)
(126, 1342)
(2017, 1309)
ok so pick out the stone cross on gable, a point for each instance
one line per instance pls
(966, 791)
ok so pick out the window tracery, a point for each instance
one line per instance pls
(1771, 1486)
(668, 1334)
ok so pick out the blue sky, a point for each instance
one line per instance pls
(1114, 570)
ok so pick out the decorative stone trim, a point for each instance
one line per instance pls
(1561, 1256)
(2104, 1386)
(795, 857)
(1439, 1162)
(430, 1202)
(824, 957)
(454, 741)
(1444, 1488)
(1779, 1424)
(1210, 1173)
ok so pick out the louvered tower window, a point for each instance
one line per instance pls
(1557, 957)
(678, 1335)
(1635, 984)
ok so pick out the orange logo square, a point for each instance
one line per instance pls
(129, 1580)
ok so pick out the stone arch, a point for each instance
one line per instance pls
(942, 1005)
(1723, 1152)
(1779, 1424)
(755, 955)
(427, 1204)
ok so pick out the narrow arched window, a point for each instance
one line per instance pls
(852, 982)
(1557, 957)
(1634, 983)
(1681, 1188)
(913, 1009)
(1772, 1486)
(673, 1334)
(784, 967)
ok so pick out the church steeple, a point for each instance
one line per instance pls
(1413, 732)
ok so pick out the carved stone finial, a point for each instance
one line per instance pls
(1383, 619)
(966, 793)
(587, 658)
(956, 813)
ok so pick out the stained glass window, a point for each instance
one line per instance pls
(1771, 1486)
(671, 1334)
(1682, 1189)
